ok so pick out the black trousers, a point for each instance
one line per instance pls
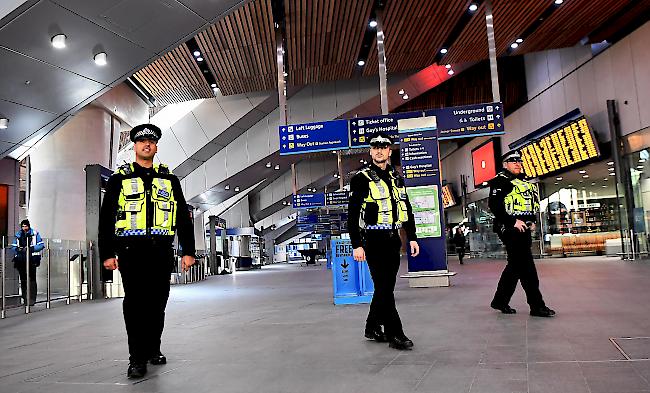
(520, 266)
(22, 273)
(145, 274)
(382, 248)
(461, 253)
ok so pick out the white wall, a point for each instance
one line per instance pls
(9, 176)
(238, 215)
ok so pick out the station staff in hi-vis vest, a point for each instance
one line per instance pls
(142, 211)
(378, 208)
(515, 205)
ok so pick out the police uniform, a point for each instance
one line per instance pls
(378, 208)
(143, 209)
(513, 198)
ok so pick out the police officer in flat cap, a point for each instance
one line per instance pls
(515, 204)
(378, 208)
(142, 211)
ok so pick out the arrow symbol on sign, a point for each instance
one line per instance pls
(284, 146)
(354, 131)
(496, 107)
(345, 264)
(354, 123)
(354, 139)
(498, 116)
(284, 138)
(498, 124)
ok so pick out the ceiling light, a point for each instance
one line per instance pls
(277, 167)
(519, 40)
(558, 2)
(268, 164)
(361, 161)
(213, 85)
(612, 173)
(558, 178)
(556, 183)
(450, 72)
(373, 24)
(582, 171)
(585, 176)
(199, 59)
(641, 159)
(604, 186)
(401, 92)
(639, 167)
(448, 66)
(227, 187)
(611, 169)
(236, 189)
(58, 41)
(197, 53)
(405, 96)
(4, 123)
(443, 50)
(610, 163)
(570, 185)
(361, 63)
(473, 7)
(593, 184)
(514, 45)
(100, 59)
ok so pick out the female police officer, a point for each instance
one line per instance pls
(378, 208)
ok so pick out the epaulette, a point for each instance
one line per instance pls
(125, 169)
(164, 169)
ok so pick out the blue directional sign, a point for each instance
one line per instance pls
(304, 201)
(313, 137)
(469, 120)
(362, 128)
(337, 198)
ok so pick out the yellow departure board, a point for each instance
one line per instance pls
(564, 147)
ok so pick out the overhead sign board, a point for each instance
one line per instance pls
(337, 198)
(469, 120)
(565, 146)
(362, 128)
(304, 201)
(313, 137)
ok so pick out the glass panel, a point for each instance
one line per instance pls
(640, 176)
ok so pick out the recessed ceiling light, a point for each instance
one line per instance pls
(361, 63)
(4, 123)
(405, 96)
(593, 183)
(519, 40)
(443, 50)
(610, 163)
(556, 183)
(612, 173)
(213, 85)
(484, 183)
(558, 2)
(277, 167)
(582, 171)
(585, 176)
(570, 185)
(236, 189)
(401, 92)
(268, 164)
(197, 53)
(450, 72)
(100, 59)
(227, 187)
(558, 178)
(58, 41)
(448, 66)
(373, 24)
(514, 45)
(611, 169)
(361, 161)
(199, 59)
(639, 167)
(473, 7)
(604, 186)
(285, 74)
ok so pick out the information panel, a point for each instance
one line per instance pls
(313, 137)
(468, 120)
(563, 147)
(337, 198)
(362, 128)
(426, 211)
(304, 201)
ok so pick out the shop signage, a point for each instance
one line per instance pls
(313, 137)
(563, 147)
(469, 120)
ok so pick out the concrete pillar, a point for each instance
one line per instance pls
(58, 198)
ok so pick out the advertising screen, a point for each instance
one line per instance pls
(484, 163)
(448, 199)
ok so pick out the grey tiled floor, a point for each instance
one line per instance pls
(276, 330)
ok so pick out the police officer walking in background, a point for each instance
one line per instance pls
(143, 209)
(378, 208)
(515, 204)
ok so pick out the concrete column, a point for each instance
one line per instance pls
(58, 196)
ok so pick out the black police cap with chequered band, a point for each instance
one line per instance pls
(145, 131)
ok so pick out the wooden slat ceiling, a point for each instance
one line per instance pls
(240, 49)
(174, 77)
(324, 38)
(414, 31)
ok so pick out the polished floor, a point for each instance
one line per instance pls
(276, 330)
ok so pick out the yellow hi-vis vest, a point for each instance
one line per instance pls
(134, 201)
(523, 199)
(380, 194)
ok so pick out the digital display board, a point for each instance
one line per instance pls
(561, 148)
(448, 199)
(484, 165)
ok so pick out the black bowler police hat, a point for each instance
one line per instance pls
(512, 156)
(380, 139)
(145, 131)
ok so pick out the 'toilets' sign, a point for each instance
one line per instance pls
(566, 146)
(469, 120)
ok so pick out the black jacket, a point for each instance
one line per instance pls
(459, 240)
(359, 190)
(501, 186)
(109, 244)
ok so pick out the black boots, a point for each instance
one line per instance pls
(136, 370)
(157, 360)
(506, 309)
(542, 312)
(400, 342)
(375, 333)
